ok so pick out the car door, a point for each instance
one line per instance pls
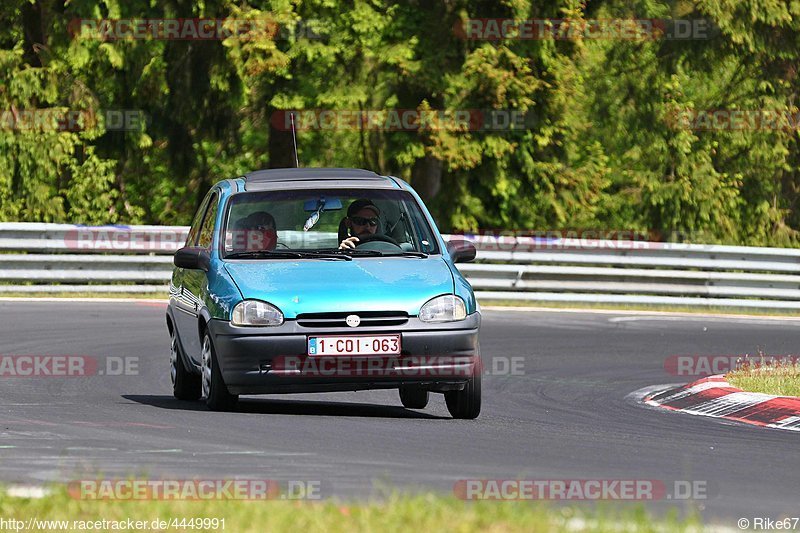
(187, 283)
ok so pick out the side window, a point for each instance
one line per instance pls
(194, 230)
(207, 229)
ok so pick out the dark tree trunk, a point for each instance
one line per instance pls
(281, 147)
(32, 23)
(426, 177)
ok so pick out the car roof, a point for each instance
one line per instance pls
(314, 178)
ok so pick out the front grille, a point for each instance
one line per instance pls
(337, 320)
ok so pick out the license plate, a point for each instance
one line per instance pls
(355, 345)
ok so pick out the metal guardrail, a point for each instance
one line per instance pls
(44, 238)
(68, 258)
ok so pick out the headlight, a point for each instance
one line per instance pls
(256, 313)
(447, 308)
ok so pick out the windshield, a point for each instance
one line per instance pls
(297, 223)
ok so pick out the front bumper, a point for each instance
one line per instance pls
(257, 360)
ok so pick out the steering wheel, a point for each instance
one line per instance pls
(376, 237)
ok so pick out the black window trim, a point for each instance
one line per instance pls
(214, 197)
(199, 216)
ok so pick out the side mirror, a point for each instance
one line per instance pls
(461, 251)
(193, 258)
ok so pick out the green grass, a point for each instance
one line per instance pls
(780, 378)
(426, 512)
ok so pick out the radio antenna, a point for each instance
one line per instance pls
(294, 142)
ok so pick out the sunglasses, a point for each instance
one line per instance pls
(361, 221)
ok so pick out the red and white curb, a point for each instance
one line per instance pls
(715, 397)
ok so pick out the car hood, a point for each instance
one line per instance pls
(319, 286)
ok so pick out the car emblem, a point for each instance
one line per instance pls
(353, 321)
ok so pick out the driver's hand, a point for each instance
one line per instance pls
(348, 244)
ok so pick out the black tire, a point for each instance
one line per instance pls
(414, 397)
(465, 403)
(215, 392)
(185, 385)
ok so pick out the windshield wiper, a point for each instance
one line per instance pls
(377, 253)
(366, 253)
(328, 254)
(412, 254)
(265, 254)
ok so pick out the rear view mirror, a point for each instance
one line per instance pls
(326, 204)
(192, 258)
(461, 251)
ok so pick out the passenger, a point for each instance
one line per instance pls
(255, 233)
(362, 220)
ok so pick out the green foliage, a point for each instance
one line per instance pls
(598, 145)
(48, 173)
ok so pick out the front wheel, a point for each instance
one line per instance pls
(214, 390)
(414, 397)
(185, 385)
(465, 403)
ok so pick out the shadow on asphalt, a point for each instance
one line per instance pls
(289, 407)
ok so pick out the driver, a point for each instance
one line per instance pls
(362, 220)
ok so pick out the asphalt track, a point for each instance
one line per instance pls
(568, 415)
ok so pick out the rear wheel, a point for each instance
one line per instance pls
(414, 397)
(465, 403)
(214, 390)
(185, 385)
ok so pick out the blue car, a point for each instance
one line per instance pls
(317, 280)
